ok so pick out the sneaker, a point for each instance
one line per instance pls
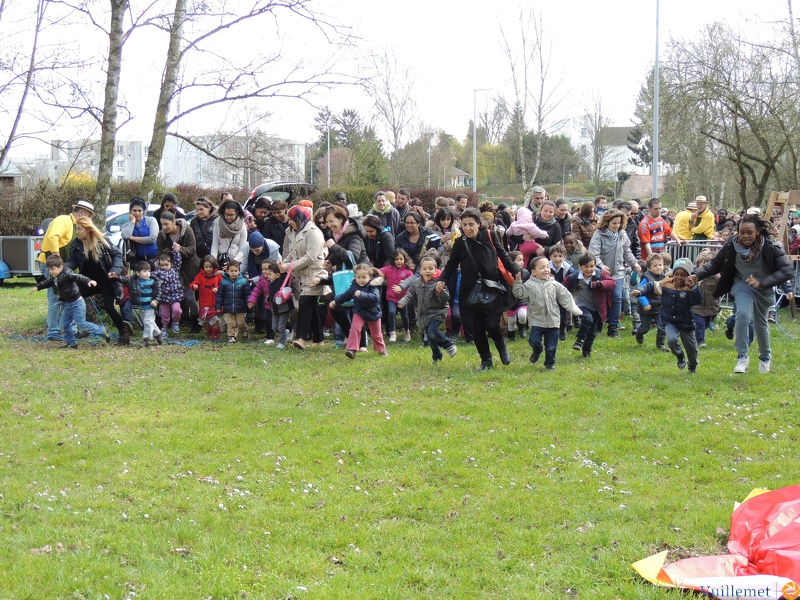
(550, 368)
(106, 336)
(485, 365)
(146, 342)
(692, 370)
(407, 336)
(451, 350)
(326, 333)
(392, 337)
(535, 356)
(245, 335)
(269, 341)
(338, 345)
(350, 353)
(681, 361)
(562, 335)
(384, 353)
(742, 365)
(164, 334)
(712, 326)
(577, 345)
(587, 353)
(231, 340)
(70, 346)
(280, 346)
(362, 349)
(621, 327)
(729, 333)
(771, 318)
(176, 328)
(702, 345)
(662, 347)
(81, 335)
(160, 338)
(639, 338)
(764, 366)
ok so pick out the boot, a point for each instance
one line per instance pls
(215, 333)
(123, 340)
(512, 335)
(612, 332)
(660, 339)
(196, 327)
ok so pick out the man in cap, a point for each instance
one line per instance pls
(703, 220)
(57, 240)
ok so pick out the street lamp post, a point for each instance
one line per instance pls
(563, 181)
(475, 136)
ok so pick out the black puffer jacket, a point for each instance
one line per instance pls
(110, 262)
(352, 240)
(203, 235)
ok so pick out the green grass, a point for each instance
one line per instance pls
(233, 472)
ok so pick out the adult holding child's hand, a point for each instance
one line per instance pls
(751, 264)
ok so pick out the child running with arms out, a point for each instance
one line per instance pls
(591, 289)
(649, 303)
(677, 299)
(545, 297)
(430, 297)
(206, 285)
(398, 270)
(267, 291)
(169, 302)
(560, 269)
(365, 292)
(145, 292)
(232, 300)
(65, 284)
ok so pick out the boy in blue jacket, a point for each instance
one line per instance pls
(234, 288)
(677, 299)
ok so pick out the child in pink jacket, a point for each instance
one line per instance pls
(398, 270)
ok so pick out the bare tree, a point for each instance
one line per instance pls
(391, 87)
(594, 127)
(223, 80)
(534, 95)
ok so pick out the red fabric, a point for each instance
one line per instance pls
(206, 283)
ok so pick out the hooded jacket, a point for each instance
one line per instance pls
(190, 263)
(232, 295)
(368, 304)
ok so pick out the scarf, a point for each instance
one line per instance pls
(547, 223)
(748, 255)
(230, 230)
(382, 212)
(301, 215)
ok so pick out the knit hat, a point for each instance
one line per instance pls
(306, 203)
(353, 212)
(685, 264)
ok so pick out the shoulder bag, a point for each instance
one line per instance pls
(484, 294)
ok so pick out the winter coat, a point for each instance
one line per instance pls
(366, 305)
(565, 224)
(724, 262)
(544, 296)
(601, 285)
(429, 305)
(583, 230)
(352, 240)
(647, 287)
(110, 262)
(710, 305)
(232, 295)
(206, 285)
(380, 250)
(395, 276)
(203, 235)
(633, 235)
(171, 286)
(553, 233)
(275, 230)
(427, 239)
(486, 258)
(253, 261)
(613, 253)
(305, 250)
(232, 246)
(133, 283)
(265, 291)
(190, 262)
(65, 285)
(390, 218)
(676, 305)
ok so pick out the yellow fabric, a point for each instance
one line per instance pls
(681, 225)
(59, 234)
(706, 225)
(650, 569)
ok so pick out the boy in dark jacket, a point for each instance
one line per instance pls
(65, 284)
(677, 298)
(232, 300)
(649, 304)
(145, 292)
(592, 291)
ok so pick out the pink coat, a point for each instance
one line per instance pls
(393, 277)
(525, 225)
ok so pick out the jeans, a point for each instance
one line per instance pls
(437, 340)
(689, 343)
(76, 311)
(53, 311)
(752, 305)
(588, 330)
(701, 323)
(280, 321)
(550, 336)
(615, 310)
(391, 314)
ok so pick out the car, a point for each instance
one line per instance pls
(292, 192)
(116, 216)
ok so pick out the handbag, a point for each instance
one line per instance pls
(343, 278)
(507, 277)
(284, 294)
(482, 297)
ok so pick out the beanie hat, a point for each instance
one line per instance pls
(685, 264)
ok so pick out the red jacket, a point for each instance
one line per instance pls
(206, 285)
(602, 296)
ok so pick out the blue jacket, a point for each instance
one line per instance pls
(232, 295)
(676, 305)
(368, 304)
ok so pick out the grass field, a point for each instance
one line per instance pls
(220, 471)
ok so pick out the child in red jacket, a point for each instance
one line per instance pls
(206, 284)
(592, 291)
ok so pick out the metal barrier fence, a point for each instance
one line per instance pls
(691, 249)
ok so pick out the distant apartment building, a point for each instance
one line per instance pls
(215, 161)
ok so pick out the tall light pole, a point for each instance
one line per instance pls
(329, 155)
(655, 115)
(563, 181)
(429, 164)
(475, 136)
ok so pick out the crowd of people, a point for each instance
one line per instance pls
(478, 275)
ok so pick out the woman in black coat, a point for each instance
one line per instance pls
(379, 241)
(485, 248)
(92, 255)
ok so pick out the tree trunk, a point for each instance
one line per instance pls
(116, 39)
(168, 86)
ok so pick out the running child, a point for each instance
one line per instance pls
(365, 292)
(591, 289)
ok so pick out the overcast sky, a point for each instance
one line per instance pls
(604, 48)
